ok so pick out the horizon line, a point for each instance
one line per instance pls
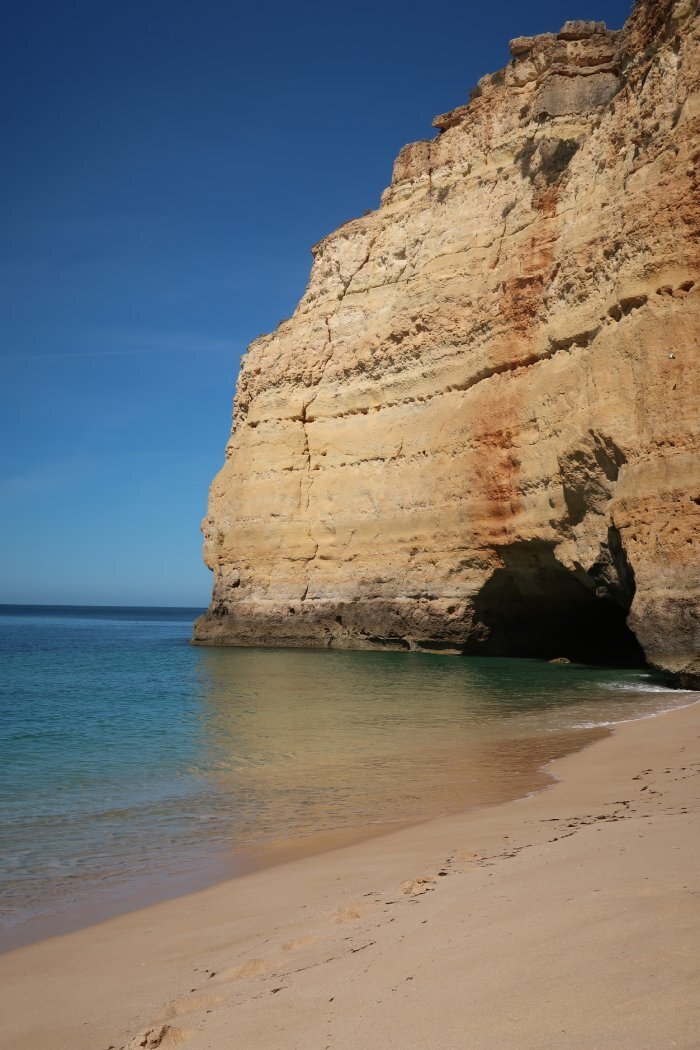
(87, 605)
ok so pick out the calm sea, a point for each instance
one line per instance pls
(135, 767)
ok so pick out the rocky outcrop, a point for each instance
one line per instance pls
(479, 430)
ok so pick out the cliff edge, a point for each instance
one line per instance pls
(479, 430)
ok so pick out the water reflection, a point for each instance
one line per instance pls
(297, 741)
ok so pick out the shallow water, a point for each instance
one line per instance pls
(136, 767)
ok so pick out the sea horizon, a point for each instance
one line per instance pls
(93, 605)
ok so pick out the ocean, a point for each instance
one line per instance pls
(136, 767)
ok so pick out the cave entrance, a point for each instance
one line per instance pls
(535, 607)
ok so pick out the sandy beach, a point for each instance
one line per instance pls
(567, 919)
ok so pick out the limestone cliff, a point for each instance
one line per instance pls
(479, 430)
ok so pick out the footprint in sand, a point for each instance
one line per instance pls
(466, 858)
(189, 1003)
(250, 968)
(300, 942)
(414, 887)
(350, 913)
(162, 1036)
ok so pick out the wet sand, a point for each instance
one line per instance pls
(567, 919)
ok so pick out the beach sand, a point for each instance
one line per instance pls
(568, 919)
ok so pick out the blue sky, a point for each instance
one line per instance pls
(167, 167)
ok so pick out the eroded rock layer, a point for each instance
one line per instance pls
(479, 430)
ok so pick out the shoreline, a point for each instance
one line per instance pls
(361, 942)
(68, 895)
(154, 888)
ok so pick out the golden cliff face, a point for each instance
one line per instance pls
(479, 429)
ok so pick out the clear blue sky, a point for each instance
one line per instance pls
(166, 167)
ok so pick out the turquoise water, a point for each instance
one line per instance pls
(136, 767)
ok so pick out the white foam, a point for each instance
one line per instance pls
(641, 715)
(643, 687)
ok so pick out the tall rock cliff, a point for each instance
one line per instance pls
(479, 430)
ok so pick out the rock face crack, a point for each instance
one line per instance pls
(478, 432)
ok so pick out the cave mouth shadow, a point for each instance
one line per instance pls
(535, 607)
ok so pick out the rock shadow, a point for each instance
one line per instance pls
(535, 607)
